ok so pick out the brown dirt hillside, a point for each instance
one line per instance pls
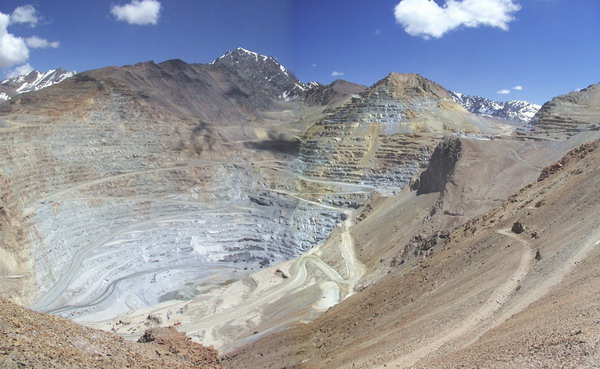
(486, 298)
(32, 340)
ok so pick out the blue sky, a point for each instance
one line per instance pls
(528, 49)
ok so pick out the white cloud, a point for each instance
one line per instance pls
(138, 12)
(504, 92)
(518, 88)
(18, 71)
(335, 73)
(314, 65)
(378, 32)
(25, 14)
(35, 42)
(425, 18)
(13, 50)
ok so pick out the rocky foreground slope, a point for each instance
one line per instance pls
(33, 340)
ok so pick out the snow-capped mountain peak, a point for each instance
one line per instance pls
(263, 71)
(32, 81)
(515, 110)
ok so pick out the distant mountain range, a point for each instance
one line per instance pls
(270, 76)
(515, 110)
(32, 81)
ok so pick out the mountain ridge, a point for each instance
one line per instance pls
(32, 81)
(515, 110)
(271, 76)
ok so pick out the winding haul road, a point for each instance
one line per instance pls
(299, 279)
(302, 274)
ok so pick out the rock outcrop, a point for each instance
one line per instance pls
(441, 166)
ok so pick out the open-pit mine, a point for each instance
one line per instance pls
(294, 224)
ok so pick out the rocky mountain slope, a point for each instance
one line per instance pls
(318, 94)
(32, 81)
(265, 72)
(385, 136)
(514, 110)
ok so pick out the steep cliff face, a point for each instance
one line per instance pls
(441, 166)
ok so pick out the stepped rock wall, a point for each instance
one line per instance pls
(567, 115)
